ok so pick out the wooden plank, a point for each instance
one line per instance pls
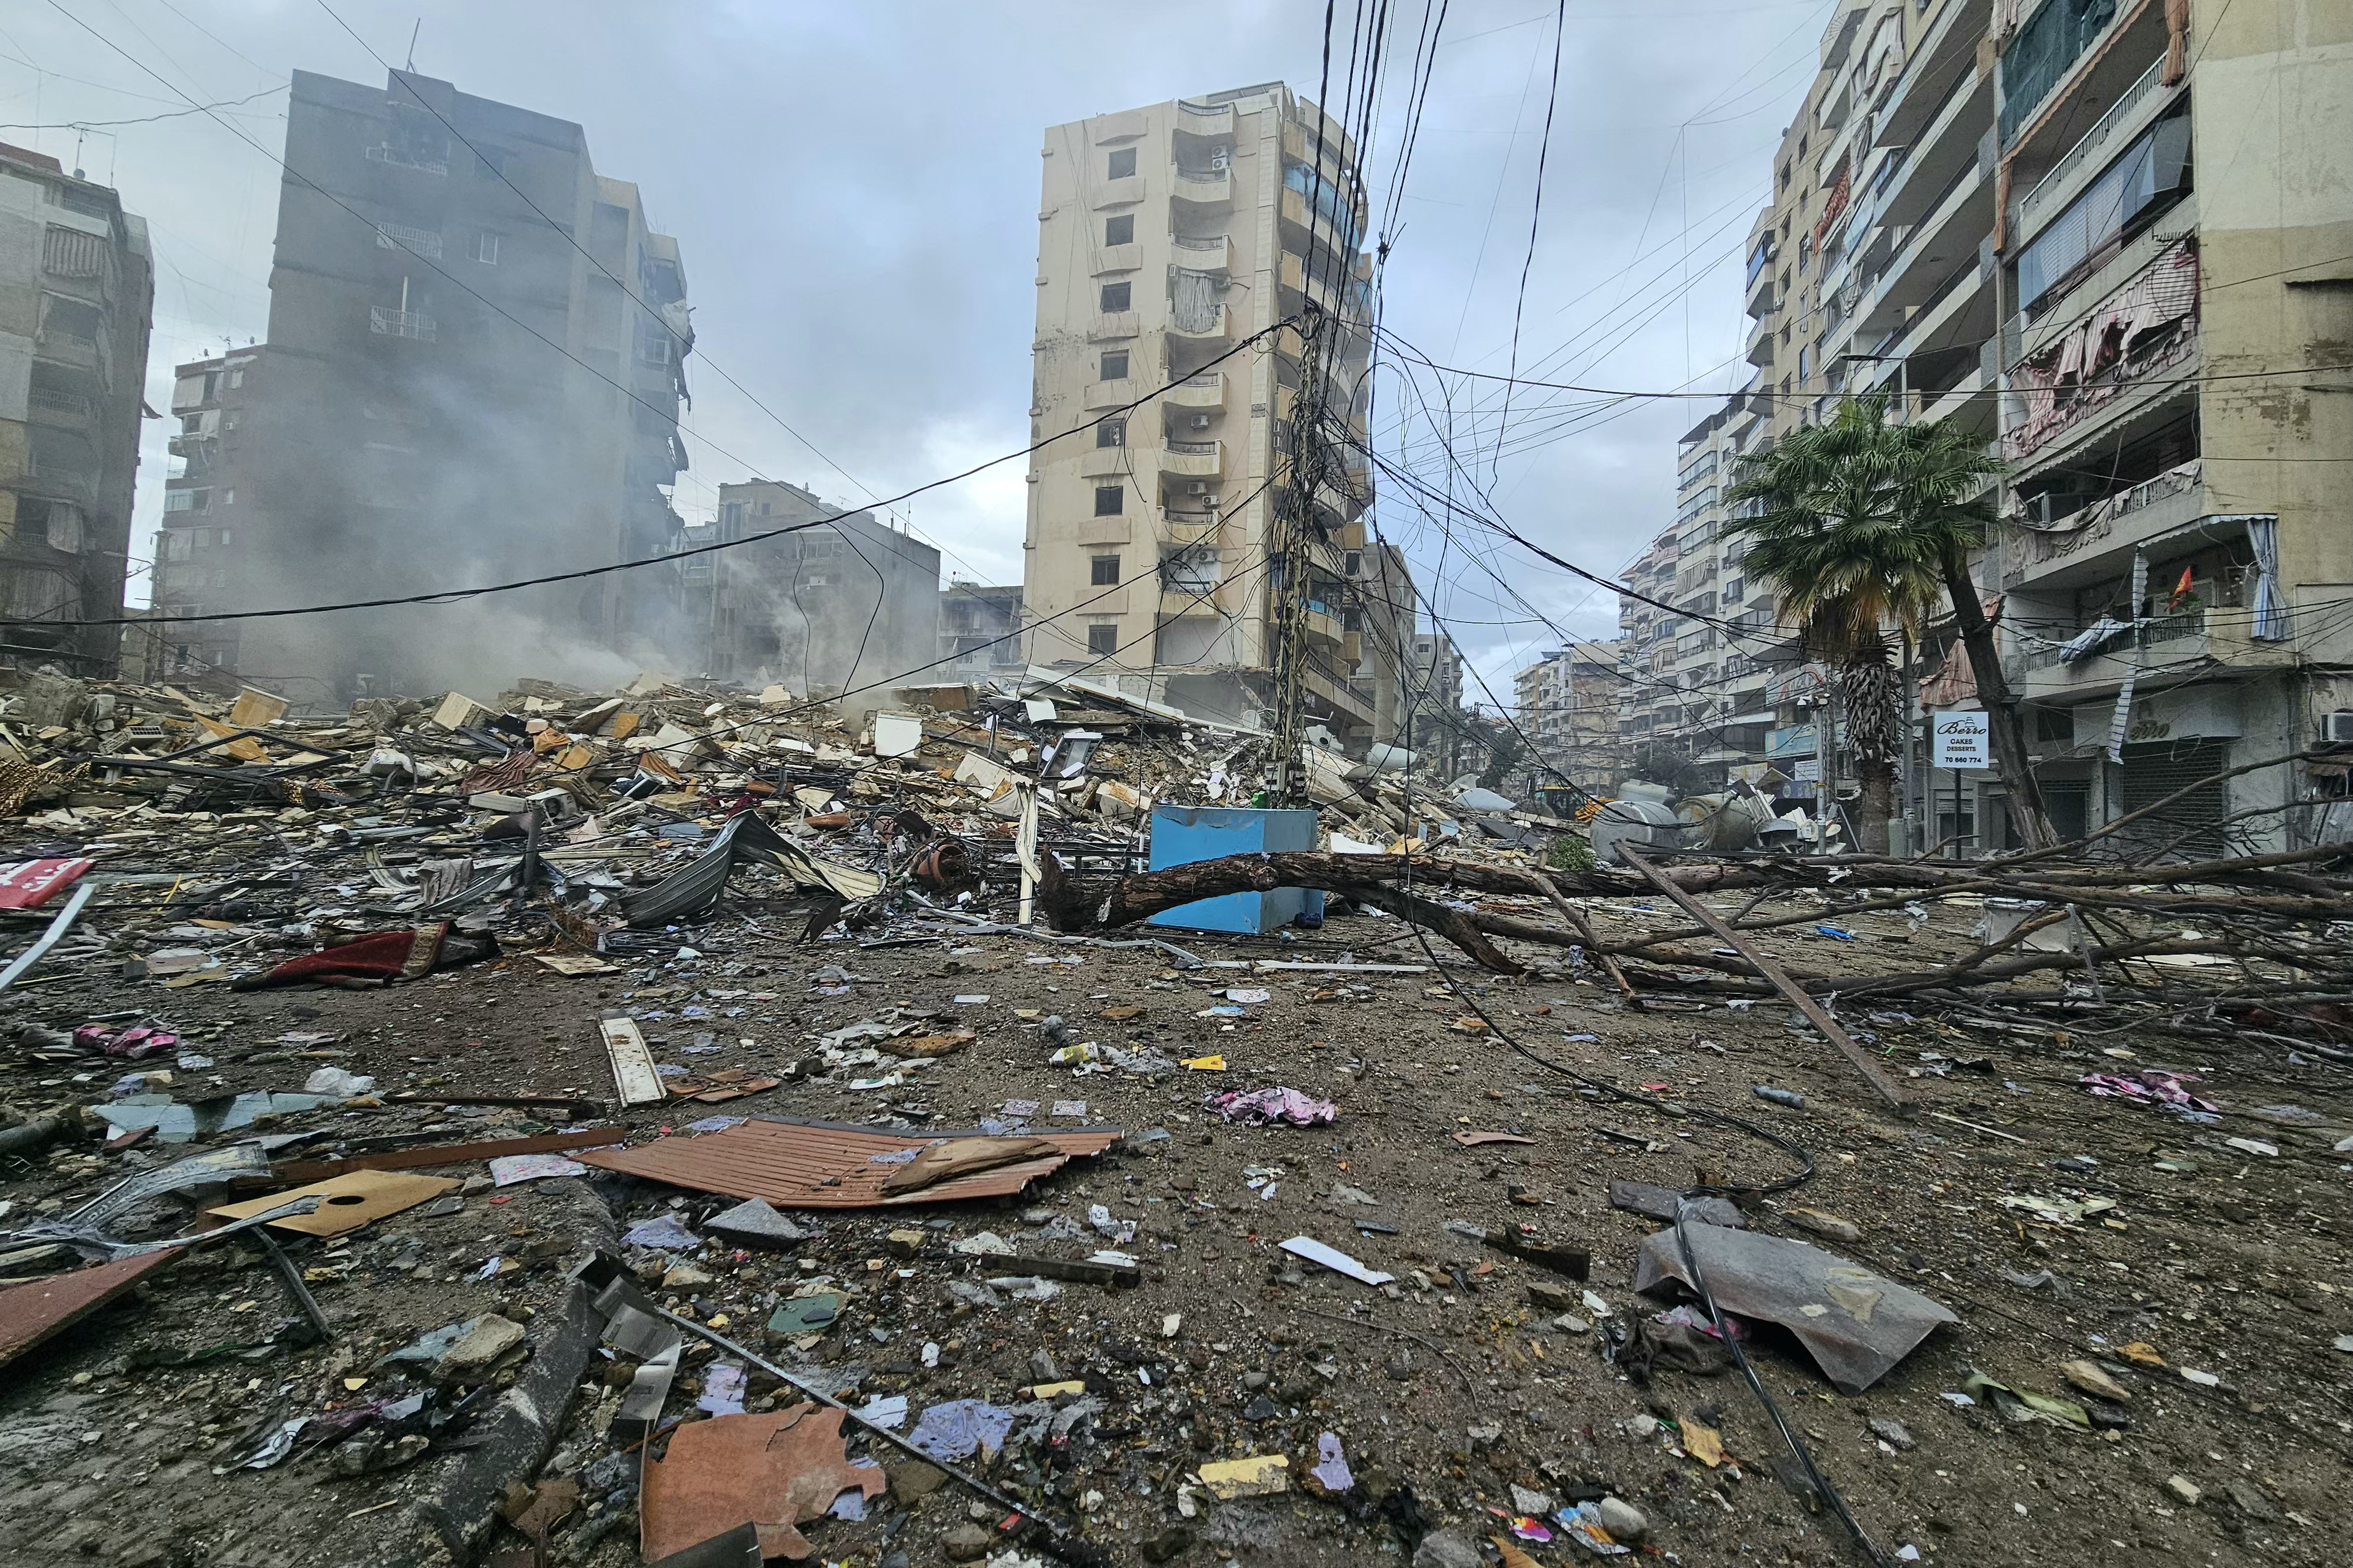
(633, 1064)
(451, 1153)
(1799, 998)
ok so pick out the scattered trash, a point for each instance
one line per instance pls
(1262, 1106)
(779, 1470)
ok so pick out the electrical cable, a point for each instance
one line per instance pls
(445, 595)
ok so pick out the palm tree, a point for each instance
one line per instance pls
(1863, 527)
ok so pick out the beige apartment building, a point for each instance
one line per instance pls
(2111, 236)
(1569, 710)
(1169, 236)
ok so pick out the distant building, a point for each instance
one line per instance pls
(1568, 703)
(1440, 731)
(1167, 235)
(77, 296)
(1697, 640)
(980, 631)
(199, 551)
(456, 395)
(831, 606)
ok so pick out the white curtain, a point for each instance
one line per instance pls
(2271, 606)
(2122, 718)
(1194, 301)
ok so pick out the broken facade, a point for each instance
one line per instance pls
(77, 297)
(459, 393)
(2047, 223)
(834, 601)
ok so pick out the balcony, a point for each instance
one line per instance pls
(1204, 187)
(1205, 393)
(1323, 625)
(1126, 191)
(1322, 233)
(1101, 394)
(386, 322)
(1205, 119)
(1181, 526)
(2157, 364)
(2097, 541)
(2045, 52)
(1218, 328)
(1930, 71)
(71, 410)
(1215, 253)
(2168, 643)
(1112, 462)
(403, 158)
(1761, 345)
(1112, 326)
(1194, 459)
(2135, 110)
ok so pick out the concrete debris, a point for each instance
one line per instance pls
(877, 1091)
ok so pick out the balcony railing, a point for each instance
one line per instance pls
(2031, 206)
(1182, 243)
(53, 402)
(401, 160)
(388, 323)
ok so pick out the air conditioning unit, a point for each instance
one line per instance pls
(1220, 158)
(2337, 728)
(1197, 488)
(1200, 422)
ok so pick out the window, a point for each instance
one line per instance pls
(187, 500)
(237, 376)
(1106, 570)
(1115, 297)
(229, 498)
(1104, 639)
(1121, 164)
(75, 320)
(1120, 230)
(486, 247)
(1111, 433)
(1111, 500)
(1114, 365)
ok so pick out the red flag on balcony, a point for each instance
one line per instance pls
(2180, 590)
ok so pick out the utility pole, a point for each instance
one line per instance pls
(1288, 554)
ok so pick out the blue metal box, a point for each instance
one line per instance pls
(1184, 834)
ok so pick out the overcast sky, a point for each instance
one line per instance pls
(855, 187)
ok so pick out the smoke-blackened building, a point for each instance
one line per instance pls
(476, 364)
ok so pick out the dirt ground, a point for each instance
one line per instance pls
(2227, 1264)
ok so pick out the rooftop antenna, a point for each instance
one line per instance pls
(412, 44)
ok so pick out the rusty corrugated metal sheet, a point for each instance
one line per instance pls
(31, 1312)
(787, 1163)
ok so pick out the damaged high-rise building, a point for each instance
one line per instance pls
(475, 359)
(1169, 238)
(76, 293)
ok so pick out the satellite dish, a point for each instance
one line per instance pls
(1643, 824)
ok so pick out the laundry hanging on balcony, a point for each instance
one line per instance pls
(2092, 639)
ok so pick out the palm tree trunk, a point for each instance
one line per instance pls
(2007, 728)
(1873, 730)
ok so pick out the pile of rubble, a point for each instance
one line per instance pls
(655, 1126)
